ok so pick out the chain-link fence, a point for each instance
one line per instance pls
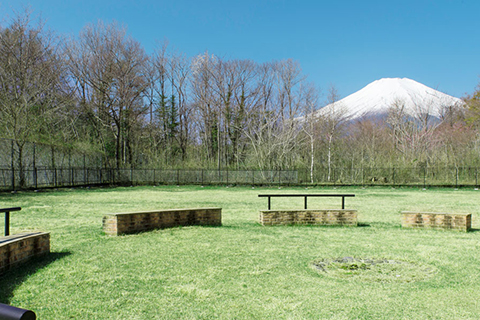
(404, 176)
(32, 166)
(71, 177)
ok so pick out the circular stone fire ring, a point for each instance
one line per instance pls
(373, 270)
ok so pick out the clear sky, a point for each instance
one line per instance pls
(347, 43)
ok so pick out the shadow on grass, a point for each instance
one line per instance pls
(363, 225)
(15, 276)
(474, 230)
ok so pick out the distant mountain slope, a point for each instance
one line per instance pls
(379, 96)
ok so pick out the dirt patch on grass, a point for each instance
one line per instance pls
(373, 270)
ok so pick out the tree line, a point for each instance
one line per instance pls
(100, 91)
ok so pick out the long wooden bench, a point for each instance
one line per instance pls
(437, 220)
(133, 222)
(343, 217)
(20, 248)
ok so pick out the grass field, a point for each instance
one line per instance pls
(243, 270)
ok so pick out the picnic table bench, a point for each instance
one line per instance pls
(343, 196)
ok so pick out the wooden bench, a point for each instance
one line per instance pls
(344, 217)
(437, 220)
(133, 222)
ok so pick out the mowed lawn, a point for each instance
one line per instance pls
(241, 270)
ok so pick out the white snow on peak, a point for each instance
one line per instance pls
(381, 95)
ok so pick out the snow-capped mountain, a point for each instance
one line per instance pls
(378, 97)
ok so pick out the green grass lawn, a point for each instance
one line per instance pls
(241, 270)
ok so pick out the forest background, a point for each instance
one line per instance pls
(102, 95)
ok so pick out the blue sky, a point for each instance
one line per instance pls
(346, 43)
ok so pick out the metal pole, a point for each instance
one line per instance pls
(363, 177)
(13, 169)
(456, 177)
(35, 175)
(305, 203)
(84, 170)
(7, 223)
(424, 177)
(34, 166)
(334, 178)
(476, 177)
(393, 177)
(70, 166)
(13, 313)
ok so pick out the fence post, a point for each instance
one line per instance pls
(35, 181)
(131, 175)
(476, 177)
(73, 176)
(363, 177)
(334, 178)
(393, 176)
(456, 177)
(84, 170)
(424, 177)
(13, 167)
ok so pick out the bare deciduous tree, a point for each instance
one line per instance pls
(109, 69)
(33, 90)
